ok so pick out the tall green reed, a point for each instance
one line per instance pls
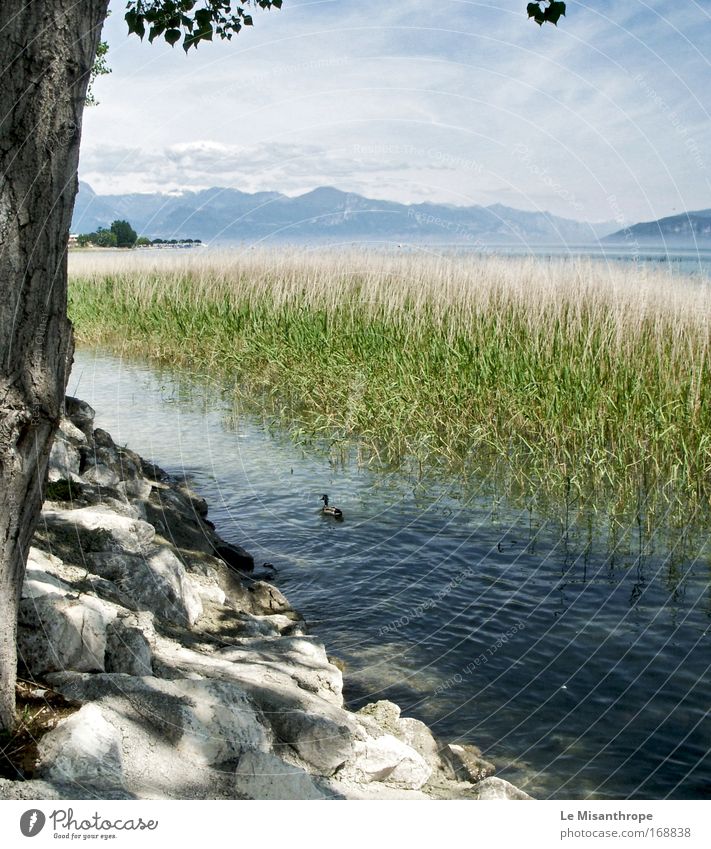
(572, 373)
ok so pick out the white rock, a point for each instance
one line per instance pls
(208, 589)
(193, 723)
(71, 432)
(167, 590)
(128, 644)
(126, 534)
(131, 509)
(312, 722)
(302, 658)
(80, 414)
(343, 787)
(255, 626)
(389, 760)
(260, 775)
(64, 459)
(156, 582)
(83, 749)
(102, 475)
(276, 624)
(322, 739)
(497, 788)
(135, 488)
(418, 736)
(59, 632)
(39, 580)
(219, 722)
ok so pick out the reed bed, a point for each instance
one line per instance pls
(571, 373)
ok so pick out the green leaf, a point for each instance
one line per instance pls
(172, 36)
(135, 23)
(192, 20)
(535, 12)
(203, 18)
(204, 34)
(554, 11)
(155, 31)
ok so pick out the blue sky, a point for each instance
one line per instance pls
(606, 117)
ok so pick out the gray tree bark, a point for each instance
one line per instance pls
(47, 49)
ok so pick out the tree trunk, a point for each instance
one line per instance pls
(47, 48)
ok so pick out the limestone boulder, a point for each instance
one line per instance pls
(71, 432)
(262, 775)
(84, 749)
(194, 723)
(44, 575)
(418, 736)
(60, 631)
(156, 581)
(165, 588)
(497, 788)
(80, 414)
(135, 488)
(267, 599)
(208, 589)
(383, 717)
(312, 722)
(101, 475)
(128, 644)
(388, 760)
(64, 459)
(467, 762)
(326, 739)
(99, 528)
(302, 659)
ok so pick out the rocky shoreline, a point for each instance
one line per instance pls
(184, 675)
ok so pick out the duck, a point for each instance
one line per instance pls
(330, 511)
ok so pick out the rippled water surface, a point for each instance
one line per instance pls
(579, 663)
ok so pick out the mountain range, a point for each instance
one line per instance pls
(687, 229)
(323, 215)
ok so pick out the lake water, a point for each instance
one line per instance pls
(577, 660)
(672, 260)
(694, 261)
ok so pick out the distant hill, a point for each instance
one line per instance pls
(685, 229)
(323, 215)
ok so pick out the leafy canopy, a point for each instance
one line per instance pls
(125, 234)
(551, 14)
(194, 21)
(190, 20)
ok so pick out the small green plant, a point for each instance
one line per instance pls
(100, 69)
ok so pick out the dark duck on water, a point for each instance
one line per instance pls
(330, 511)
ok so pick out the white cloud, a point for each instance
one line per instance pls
(402, 101)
